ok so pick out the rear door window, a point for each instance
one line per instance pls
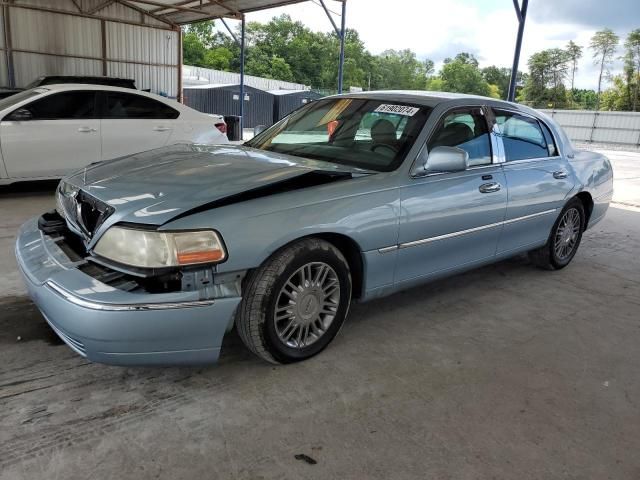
(522, 136)
(130, 106)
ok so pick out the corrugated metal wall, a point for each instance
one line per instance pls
(620, 128)
(225, 100)
(50, 43)
(284, 104)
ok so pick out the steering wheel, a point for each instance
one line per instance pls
(393, 149)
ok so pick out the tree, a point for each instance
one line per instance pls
(399, 69)
(603, 44)
(616, 97)
(462, 75)
(584, 99)
(574, 53)
(545, 84)
(499, 77)
(632, 66)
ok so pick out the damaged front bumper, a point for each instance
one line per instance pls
(110, 325)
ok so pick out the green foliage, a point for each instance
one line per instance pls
(604, 44)
(632, 68)
(463, 76)
(574, 53)
(399, 69)
(500, 77)
(584, 99)
(617, 97)
(286, 50)
(544, 87)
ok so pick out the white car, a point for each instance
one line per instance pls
(47, 132)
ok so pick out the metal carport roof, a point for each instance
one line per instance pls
(189, 11)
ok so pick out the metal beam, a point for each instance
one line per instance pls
(173, 6)
(179, 94)
(103, 36)
(187, 2)
(518, 12)
(99, 7)
(342, 40)
(144, 12)
(521, 13)
(87, 57)
(170, 25)
(326, 10)
(233, 35)
(11, 74)
(77, 5)
(242, 46)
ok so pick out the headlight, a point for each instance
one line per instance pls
(150, 249)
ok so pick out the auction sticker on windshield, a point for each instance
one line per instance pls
(397, 109)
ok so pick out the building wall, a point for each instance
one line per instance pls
(115, 41)
(619, 128)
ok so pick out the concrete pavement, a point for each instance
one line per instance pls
(504, 372)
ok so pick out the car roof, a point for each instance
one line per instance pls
(425, 97)
(62, 87)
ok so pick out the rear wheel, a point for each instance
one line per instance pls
(564, 239)
(296, 302)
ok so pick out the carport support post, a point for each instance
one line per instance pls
(242, 29)
(521, 13)
(342, 38)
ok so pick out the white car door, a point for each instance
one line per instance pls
(134, 123)
(51, 136)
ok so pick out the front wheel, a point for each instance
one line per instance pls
(296, 302)
(564, 239)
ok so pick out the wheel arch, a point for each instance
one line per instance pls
(347, 246)
(587, 203)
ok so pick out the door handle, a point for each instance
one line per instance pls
(489, 187)
(161, 128)
(560, 174)
(87, 130)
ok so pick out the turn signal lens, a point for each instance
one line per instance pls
(198, 247)
(200, 257)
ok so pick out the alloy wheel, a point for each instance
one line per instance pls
(307, 305)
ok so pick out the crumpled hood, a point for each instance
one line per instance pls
(155, 186)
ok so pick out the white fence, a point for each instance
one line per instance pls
(618, 128)
(193, 76)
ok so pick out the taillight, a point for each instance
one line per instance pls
(222, 127)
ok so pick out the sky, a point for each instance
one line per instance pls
(437, 29)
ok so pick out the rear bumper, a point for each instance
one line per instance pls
(108, 325)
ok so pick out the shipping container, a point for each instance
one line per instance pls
(287, 101)
(225, 100)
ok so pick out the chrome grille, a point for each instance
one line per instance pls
(84, 212)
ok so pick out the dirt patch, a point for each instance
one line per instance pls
(20, 321)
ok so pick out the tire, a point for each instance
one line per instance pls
(561, 247)
(296, 302)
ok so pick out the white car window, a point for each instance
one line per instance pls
(63, 106)
(126, 105)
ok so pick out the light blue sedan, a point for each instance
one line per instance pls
(152, 258)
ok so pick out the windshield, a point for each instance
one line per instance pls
(370, 134)
(18, 97)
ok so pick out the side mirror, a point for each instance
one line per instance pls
(442, 159)
(20, 115)
(258, 129)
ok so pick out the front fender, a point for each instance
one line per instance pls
(369, 219)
